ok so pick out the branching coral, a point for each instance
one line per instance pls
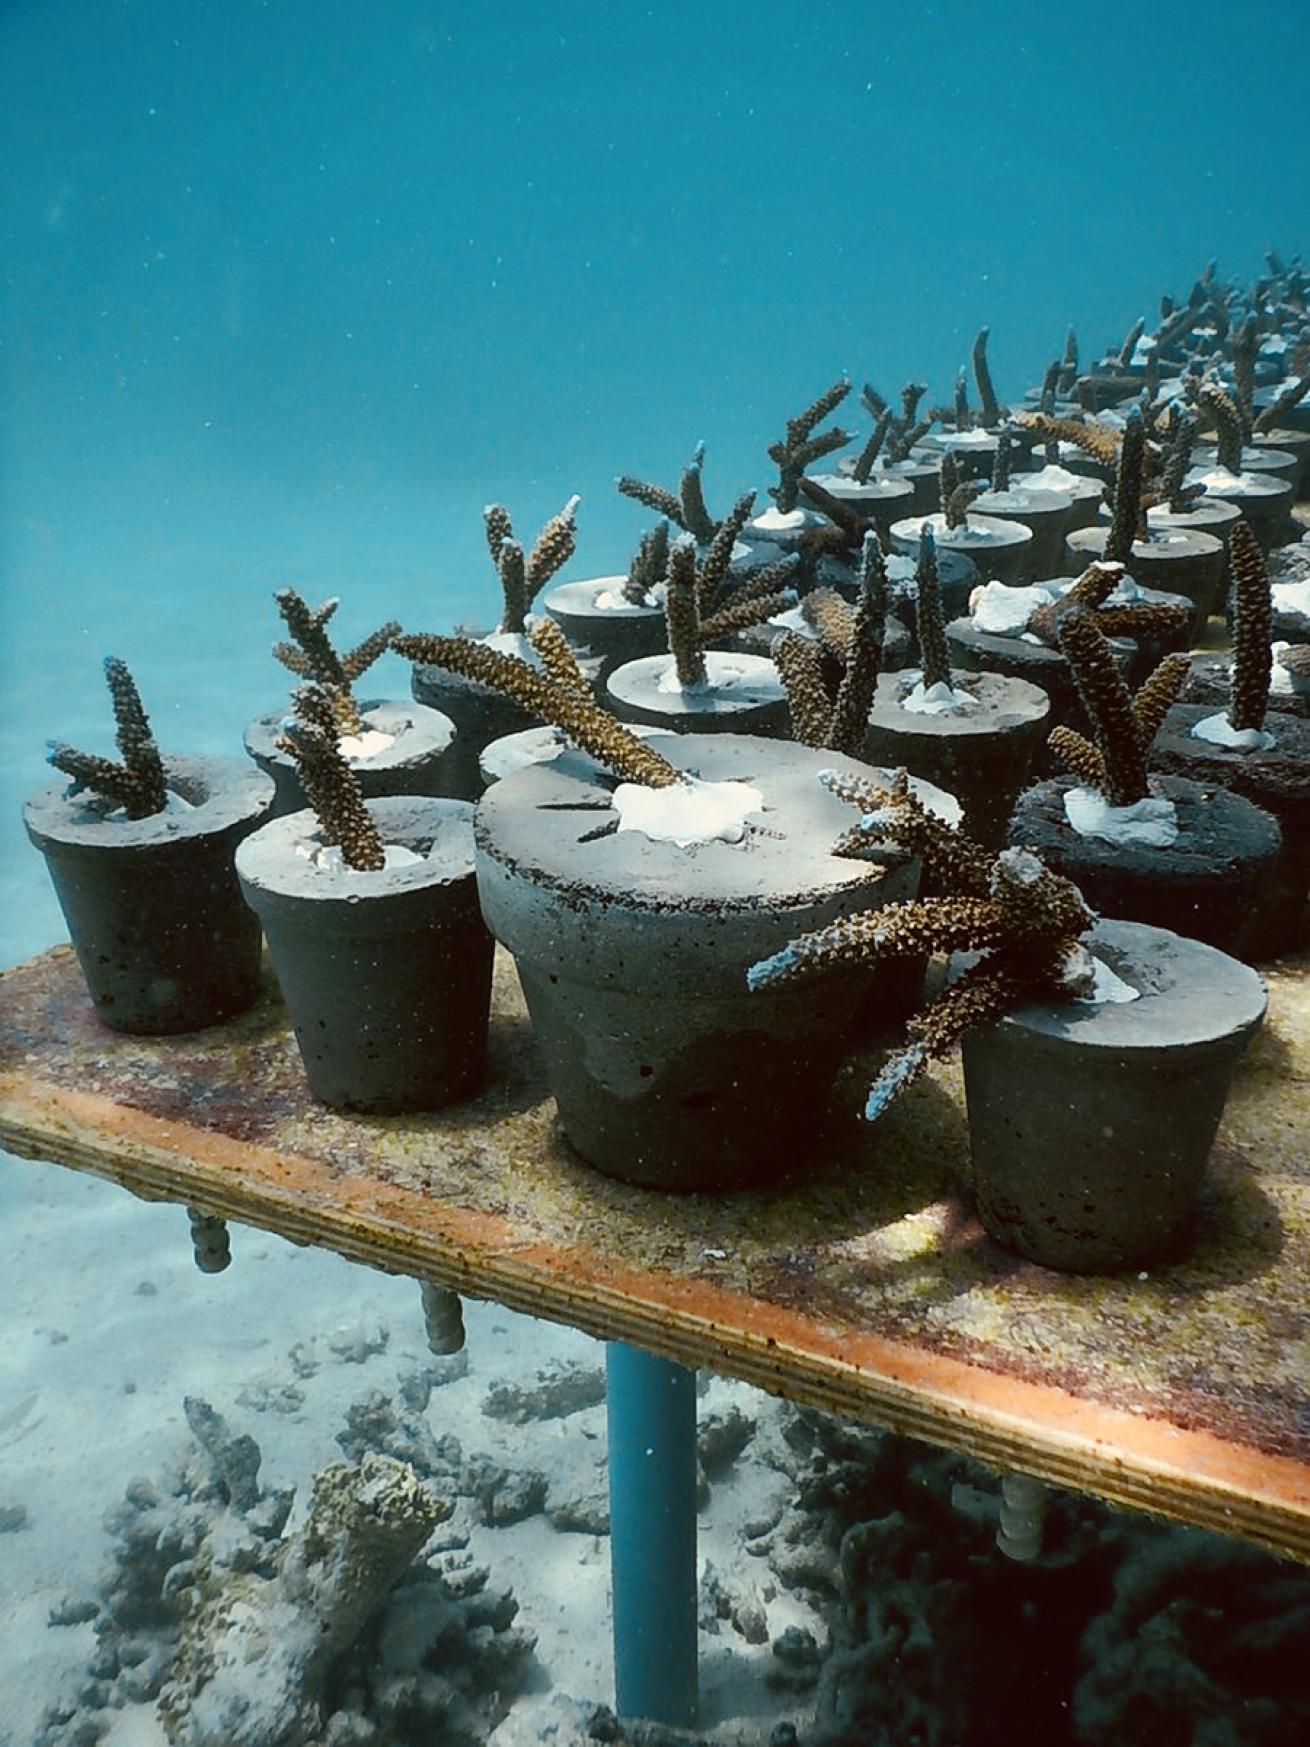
(1090, 592)
(1127, 522)
(827, 710)
(990, 411)
(1227, 416)
(522, 578)
(311, 655)
(1122, 728)
(957, 493)
(1252, 630)
(331, 787)
(649, 565)
(930, 620)
(137, 784)
(801, 447)
(1287, 398)
(568, 709)
(1068, 376)
(685, 507)
(1099, 441)
(1024, 920)
(1170, 489)
(699, 603)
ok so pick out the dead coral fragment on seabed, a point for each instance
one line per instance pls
(801, 447)
(1123, 727)
(331, 786)
(1252, 630)
(565, 705)
(137, 784)
(522, 578)
(830, 680)
(312, 655)
(1024, 921)
(684, 507)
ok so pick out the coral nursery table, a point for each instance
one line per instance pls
(863, 1286)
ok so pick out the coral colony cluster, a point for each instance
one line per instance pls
(1194, 432)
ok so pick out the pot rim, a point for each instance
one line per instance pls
(224, 792)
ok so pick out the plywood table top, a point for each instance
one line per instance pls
(863, 1285)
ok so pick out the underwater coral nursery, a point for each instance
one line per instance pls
(974, 625)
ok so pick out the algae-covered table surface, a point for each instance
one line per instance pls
(863, 1285)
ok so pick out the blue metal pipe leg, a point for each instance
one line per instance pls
(651, 1410)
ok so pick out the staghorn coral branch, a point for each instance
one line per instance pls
(138, 784)
(583, 721)
(359, 659)
(1156, 695)
(553, 548)
(950, 859)
(929, 618)
(330, 786)
(800, 667)
(512, 566)
(1126, 523)
(1109, 708)
(557, 657)
(664, 503)
(801, 427)
(1001, 465)
(981, 994)
(850, 713)
(1143, 619)
(682, 612)
(712, 572)
(963, 417)
(1078, 756)
(1252, 629)
(800, 447)
(869, 453)
(294, 658)
(495, 519)
(1101, 442)
(1244, 349)
(307, 628)
(990, 410)
(1223, 409)
(771, 579)
(648, 567)
(897, 931)
(1068, 364)
(1034, 904)
(696, 518)
(741, 614)
(1290, 396)
(833, 621)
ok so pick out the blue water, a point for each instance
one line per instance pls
(291, 288)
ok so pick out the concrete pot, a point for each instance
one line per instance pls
(1086, 496)
(387, 975)
(759, 639)
(1048, 515)
(981, 756)
(1276, 779)
(744, 695)
(632, 953)
(533, 746)
(1207, 882)
(1284, 442)
(924, 474)
(991, 652)
(974, 451)
(883, 497)
(1177, 561)
(419, 760)
(1001, 550)
(599, 623)
(1211, 680)
(1259, 457)
(1090, 1124)
(1263, 498)
(1210, 515)
(152, 905)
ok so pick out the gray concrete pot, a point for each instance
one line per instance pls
(1263, 498)
(387, 975)
(1086, 496)
(981, 756)
(1090, 1125)
(1277, 779)
(744, 696)
(152, 905)
(633, 953)
(1207, 883)
(991, 652)
(883, 497)
(418, 762)
(599, 623)
(924, 473)
(1048, 515)
(1002, 550)
(1177, 561)
(1211, 682)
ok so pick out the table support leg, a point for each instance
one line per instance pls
(651, 1407)
(209, 1241)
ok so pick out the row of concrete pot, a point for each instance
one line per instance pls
(668, 1071)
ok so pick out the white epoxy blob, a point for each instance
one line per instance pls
(688, 811)
(1003, 611)
(1152, 823)
(1219, 731)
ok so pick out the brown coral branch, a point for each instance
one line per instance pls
(742, 613)
(664, 503)
(1143, 619)
(557, 657)
(696, 518)
(800, 668)
(138, 784)
(584, 722)
(850, 713)
(682, 612)
(833, 621)
(1126, 525)
(1223, 409)
(712, 571)
(648, 566)
(1109, 708)
(1079, 757)
(930, 620)
(331, 786)
(1101, 442)
(1252, 629)
(357, 660)
(553, 548)
(1156, 696)
(990, 410)
(499, 528)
